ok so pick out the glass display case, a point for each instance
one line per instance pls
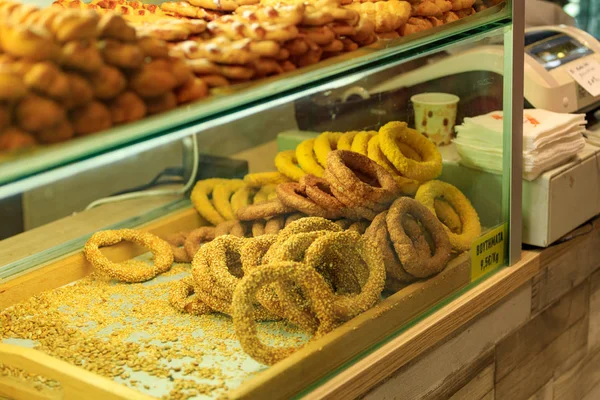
(413, 197)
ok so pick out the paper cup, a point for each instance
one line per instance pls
(435, 115)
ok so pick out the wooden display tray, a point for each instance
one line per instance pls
(285, 379)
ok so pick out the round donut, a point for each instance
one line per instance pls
(413, 262)
(221, 197)
(287, 163)
(471, 227)
(313, 287)
(195, 238)
(200, 199)
(259, 179)
(264, 210)
(430, 166)
(177, 241)
(362, 178)
(130, 271)
(324, 144)
(360, 144)
(346, 243)
(307, 159)
(345, 141)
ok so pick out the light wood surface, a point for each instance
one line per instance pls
(76, 382)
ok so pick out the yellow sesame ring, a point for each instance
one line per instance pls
(360, 144)
(259, 179)
(130, 271)
(182, 297)
(221, 197)
(287, 163)
(222, 256)
(359, 226)
(242, 197)
(430, 167)
(349, 244)
(195, 238)
(407, 186)
(307, 159)
(345, 141)
(377, 235)
(177, 241)
(313, 286)
(471, 227)
(412, 261)
(253, 251)
(447, 215)
(324, 144)
(200, 198)
(265, 194)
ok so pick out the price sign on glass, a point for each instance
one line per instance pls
(587, 74)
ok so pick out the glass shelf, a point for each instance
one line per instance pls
(19, 171)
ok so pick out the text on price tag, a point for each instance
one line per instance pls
(587, 73)
(487, 252)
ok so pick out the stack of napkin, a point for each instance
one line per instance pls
(549, 140)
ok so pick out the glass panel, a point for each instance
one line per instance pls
(17, 166)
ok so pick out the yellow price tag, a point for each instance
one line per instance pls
(487, 252)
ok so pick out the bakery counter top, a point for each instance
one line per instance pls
(531, 329)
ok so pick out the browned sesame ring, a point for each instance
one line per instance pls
(177, 240)
(378, 235)
(355, 210)
(294, 217)
(362, 178)
(293, 195)
(182, 298)
(313, 286)
(130, 270)
(319, 191)
(263, 210)
(334, 244)
(196, 237)
(234, 228)
(274, 224)
(409, 256)
(258, 228)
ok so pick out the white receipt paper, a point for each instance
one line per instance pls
(587, 74)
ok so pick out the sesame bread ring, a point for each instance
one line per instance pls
(430, 167)
(130, 271)
(471, 228)
(313, 287)
(411, 258)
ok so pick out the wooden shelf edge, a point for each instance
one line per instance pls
(372, 369)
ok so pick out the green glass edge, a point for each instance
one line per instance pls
(21, 166)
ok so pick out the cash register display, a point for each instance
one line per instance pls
(557, 51)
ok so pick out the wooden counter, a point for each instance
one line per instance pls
(531, 331)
